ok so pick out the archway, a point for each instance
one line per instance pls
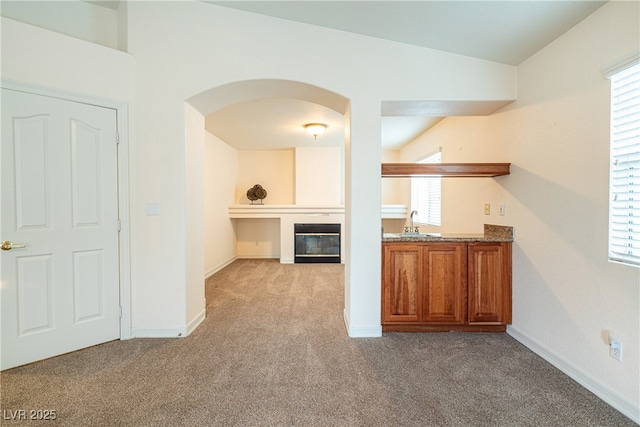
(235, 93)
(232, 93)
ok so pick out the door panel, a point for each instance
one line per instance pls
(59, 197)
(402, 276)
(31, 164)
(444, 283)
(87, 285)
(489, 283)
(85, 167)
(34, 294)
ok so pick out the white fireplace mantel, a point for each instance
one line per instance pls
(278, 211)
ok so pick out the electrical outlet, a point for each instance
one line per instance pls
(502, 209)
(487, 208)
(615, 350)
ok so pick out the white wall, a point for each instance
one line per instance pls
(319, 176)
(38, 56)
(195, 306)
(274, 170)
(220, 179)
(558, 137)
(77, 19)
(566, 295)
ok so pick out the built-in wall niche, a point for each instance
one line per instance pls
(258, 238)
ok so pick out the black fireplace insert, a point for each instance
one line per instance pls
(317, 243)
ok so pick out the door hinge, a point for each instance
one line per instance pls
(119, 225)
(117, 137)
(120, 312)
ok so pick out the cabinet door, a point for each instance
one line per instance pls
(402, 291)
(489, 283)
(445, 282)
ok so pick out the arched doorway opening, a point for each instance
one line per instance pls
(222, 97)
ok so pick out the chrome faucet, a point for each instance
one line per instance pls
(411, 228)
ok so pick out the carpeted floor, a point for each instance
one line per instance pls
(273, 351)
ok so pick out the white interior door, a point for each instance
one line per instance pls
(59, 198)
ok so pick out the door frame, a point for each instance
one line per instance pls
(122, 127)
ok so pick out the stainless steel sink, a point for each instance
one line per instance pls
(412, 234)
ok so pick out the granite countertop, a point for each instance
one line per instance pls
(492, 233)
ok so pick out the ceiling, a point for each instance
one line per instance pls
(507, 31)
(111, 4)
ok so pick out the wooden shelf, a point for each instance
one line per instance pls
(469, 170)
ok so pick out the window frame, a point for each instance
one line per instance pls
(624, 172)
(432, 186)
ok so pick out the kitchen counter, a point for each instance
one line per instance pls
(492, 233)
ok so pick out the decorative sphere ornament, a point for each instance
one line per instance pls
(256, 193)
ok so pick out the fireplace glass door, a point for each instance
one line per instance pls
(319, 243)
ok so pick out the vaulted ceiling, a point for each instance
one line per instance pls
(502, 31)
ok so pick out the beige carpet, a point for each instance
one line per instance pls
(273, 351)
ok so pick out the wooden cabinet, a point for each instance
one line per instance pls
(402, 294)
(489, 283)
(439, 286)
(443, 281)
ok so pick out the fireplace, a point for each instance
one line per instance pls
(319, 243)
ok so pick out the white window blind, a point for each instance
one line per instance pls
(426, 196)
(624, 207)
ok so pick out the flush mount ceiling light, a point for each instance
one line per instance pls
(315, 129)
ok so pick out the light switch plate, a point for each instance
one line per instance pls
(153, 209)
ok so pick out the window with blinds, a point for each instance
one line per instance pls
(624, 207)
(426, 196)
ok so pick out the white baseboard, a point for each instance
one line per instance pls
(195, 322)
(257, 256)
(602, 391)
(159, 333)
(361, 331)
(171, 333)
(219, 267)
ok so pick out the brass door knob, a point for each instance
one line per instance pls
(7, 245)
